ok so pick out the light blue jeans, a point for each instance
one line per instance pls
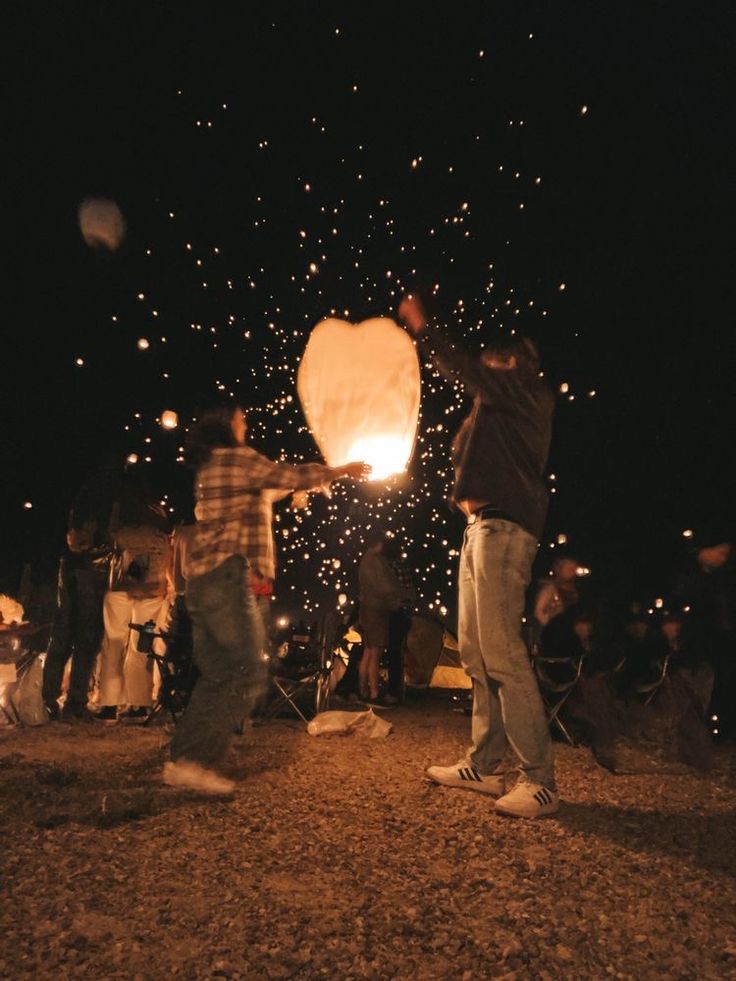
(495, 569)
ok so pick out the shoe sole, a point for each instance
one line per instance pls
(466, 785)
(515, 814)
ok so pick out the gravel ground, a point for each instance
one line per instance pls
(337, 859)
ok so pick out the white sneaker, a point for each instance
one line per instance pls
(465, 775)
(529, 800)
(192, 776)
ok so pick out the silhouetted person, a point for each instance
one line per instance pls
(708, 587)
(399, 622)
(381, 595)
(83, 573)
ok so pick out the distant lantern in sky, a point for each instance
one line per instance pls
(101, 223)
(169, 419)
(359, 386)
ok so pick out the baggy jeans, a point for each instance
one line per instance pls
(228, 640)
(495, 569)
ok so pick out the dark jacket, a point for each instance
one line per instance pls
(380, 587)
(711, 596)
(500, 452)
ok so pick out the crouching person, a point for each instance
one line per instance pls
(232, 534)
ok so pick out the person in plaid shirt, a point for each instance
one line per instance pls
(232, 541)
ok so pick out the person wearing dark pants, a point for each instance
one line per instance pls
(78, 626)
(399, 622)
(76, 633)
(398, 627)
(231, 544)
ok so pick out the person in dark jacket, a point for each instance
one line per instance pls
(707, 586)
(499, 456)
(83, 572)
(399, 622)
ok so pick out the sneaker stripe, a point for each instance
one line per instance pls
(543, 797)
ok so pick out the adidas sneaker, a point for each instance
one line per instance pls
(465, 775)
(529, 800)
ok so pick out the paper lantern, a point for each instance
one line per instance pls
(169, 419)
(359, 386)
(101, 223)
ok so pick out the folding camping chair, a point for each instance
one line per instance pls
(302, 673)
(650, 688)
(557, 678)
(177, 671)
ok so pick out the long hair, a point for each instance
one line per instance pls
(212, 429)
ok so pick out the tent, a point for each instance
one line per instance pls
(432, 656)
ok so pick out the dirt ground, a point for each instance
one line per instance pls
(338, 859)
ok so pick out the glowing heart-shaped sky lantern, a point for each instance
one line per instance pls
(359, 387)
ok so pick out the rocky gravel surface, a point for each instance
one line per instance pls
(337, 859)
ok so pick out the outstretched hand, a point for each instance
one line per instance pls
(358, 471)
(411, 312)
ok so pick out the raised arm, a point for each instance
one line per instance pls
(454, 363)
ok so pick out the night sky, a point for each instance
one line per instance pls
(560, 169)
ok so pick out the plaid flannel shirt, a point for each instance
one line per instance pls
(234, 499)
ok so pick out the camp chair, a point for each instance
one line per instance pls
(304, 671)
(650, 688)
(177, 672)
(557, 678)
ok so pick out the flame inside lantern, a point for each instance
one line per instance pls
(387, 455)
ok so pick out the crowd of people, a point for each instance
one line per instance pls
(124, 565)
(680, 654)
(120, 567)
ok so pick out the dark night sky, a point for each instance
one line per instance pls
(633, 214)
